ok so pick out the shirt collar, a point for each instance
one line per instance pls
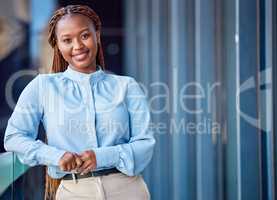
(84, 77)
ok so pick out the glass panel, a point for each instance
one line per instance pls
(6, 173)
(10, 170)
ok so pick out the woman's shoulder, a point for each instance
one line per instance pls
(120, 78)
(51, 77)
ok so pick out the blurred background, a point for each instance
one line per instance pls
(208, 68)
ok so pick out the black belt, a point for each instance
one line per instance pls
(103, 172)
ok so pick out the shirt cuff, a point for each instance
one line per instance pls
(51, 155)
(57, 156)
(106, 156)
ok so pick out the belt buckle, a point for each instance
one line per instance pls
(91, 174)
(74, 177)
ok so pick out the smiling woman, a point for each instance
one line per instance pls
(77, 104)
(77, 41)
(75, 36)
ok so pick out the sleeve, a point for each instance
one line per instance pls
(22, 129)
(131, 158)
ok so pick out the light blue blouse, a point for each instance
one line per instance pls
(103, 112)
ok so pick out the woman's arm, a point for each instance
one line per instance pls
(22, 129)
(131, 158)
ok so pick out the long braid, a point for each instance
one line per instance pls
(60, 65)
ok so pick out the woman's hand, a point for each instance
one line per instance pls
(89, 162)
(70, 161)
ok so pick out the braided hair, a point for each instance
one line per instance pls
(59, 63)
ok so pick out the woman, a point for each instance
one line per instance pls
(97, 124)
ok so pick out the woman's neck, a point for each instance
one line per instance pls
(85, 70)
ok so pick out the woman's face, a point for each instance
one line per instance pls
(77, 41)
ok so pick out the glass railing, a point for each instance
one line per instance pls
(10, 170)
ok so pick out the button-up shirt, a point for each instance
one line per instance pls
(103, 112)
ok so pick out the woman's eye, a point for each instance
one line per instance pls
(67, 40)
(85, 36)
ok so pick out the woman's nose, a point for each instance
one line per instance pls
(78, 44)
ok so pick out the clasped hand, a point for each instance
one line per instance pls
(80, 163)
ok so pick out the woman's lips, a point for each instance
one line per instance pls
(80, 56)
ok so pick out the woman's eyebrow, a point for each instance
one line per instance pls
(82, 30)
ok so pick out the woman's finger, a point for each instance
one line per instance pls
(84, 166)
(62, 167)
(73, 165)
(78, 161)
(66, 167)
(87, 170)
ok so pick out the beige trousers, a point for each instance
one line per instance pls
(111, 187)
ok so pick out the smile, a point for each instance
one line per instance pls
(80, 56)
